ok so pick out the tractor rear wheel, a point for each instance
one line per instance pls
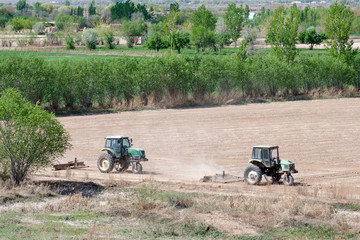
(122, 166)
(105, 163)
(288, 180)
(252, 174)
(136, 168)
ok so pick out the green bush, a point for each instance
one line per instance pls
(69, 42)
(20, 23)
(109, 40)
(38, 28)
(90, 38)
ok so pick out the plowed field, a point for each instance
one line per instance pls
(183, 145)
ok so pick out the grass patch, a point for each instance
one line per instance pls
(348, 206)
(12, 228)
(81, 215)
(308, 232)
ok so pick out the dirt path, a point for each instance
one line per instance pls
(320, 136)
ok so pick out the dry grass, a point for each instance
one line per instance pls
(167, 212)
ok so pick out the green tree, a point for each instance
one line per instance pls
(222, 37)
(246, 12)
(156, 42)
(122, 10)
(337, 29)
(157, 39)
(67, 3)
(181, 39)
(79, 11)
(282, 33)
(170, 26)
(92, 8)
(202, 31)
(234, 19)
(174, 7)
(5, 16)
(37, 7)
(21, 5)
(30, 137)
(48, 7)
(133, 30)
(311, 37)
(63, 20)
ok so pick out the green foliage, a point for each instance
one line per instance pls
(79, 11)
(5, 16)
(132, 30)
(81, 21)
(21, 5)
(69, 40)
(92, 8)
(282, 33)
(174, 7)
(109, 40)
(309, 17)
(62, 20)
(90, 37)
(20, 23)
(234, 19)
(242, 53)
(38, 28)
(124, 10)
(31, 138)
(48, 7)
(181, 39)
(157, 41)
(311, 37)
(204, 17)
(338, 28)
(202, 31)
(170, 26)
(72, 83)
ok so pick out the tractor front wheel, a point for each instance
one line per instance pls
(252, 174)
(288, 180)
(136, 168)
(105, 163)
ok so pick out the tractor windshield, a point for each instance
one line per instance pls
(126, 143)
(274, 153)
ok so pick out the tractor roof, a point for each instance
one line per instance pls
(265, 146)
(116, 137)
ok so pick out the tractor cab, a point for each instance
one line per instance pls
(119, 144)
(267, 155)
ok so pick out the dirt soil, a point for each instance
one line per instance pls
(183, 145)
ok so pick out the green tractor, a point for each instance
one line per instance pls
(120, 154)
(266, 162)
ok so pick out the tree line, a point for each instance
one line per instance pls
(70, 84)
